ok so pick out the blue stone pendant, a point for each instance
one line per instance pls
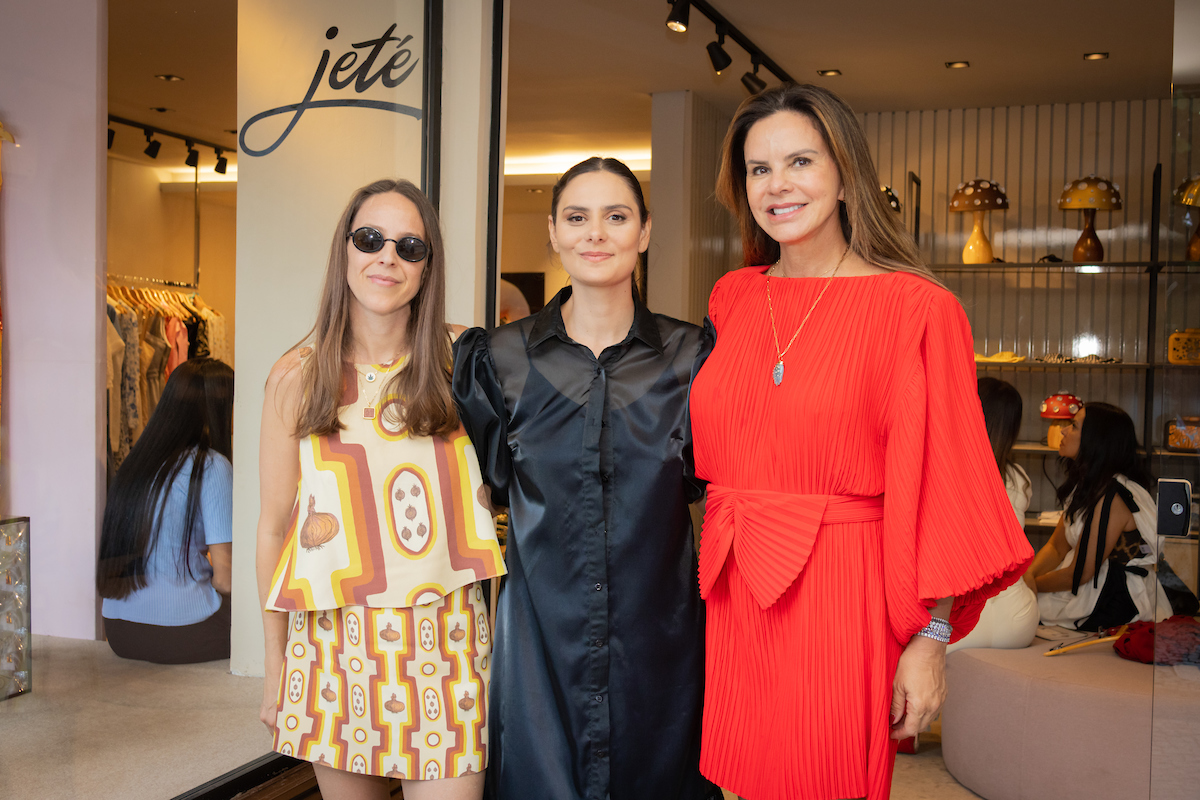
(777, 373)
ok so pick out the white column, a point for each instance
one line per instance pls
(54, 70)
(667, 278)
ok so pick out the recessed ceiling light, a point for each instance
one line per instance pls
(829, 73)
(534, 191)
(166, 76)
(1095, 56)
(161, 109)
(957, 64)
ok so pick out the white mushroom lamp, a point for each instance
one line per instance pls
(978, 196)
(1089, 195)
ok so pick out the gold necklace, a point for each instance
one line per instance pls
(371, 376)
(777, 370)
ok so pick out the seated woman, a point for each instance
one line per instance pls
(1010, 619)
(165, 543)
(1098, 569)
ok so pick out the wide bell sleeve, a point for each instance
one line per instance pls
(949, 529)
(480, 402)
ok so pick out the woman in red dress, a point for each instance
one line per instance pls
(856, 521)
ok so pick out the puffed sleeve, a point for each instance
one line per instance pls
(949, 529)
(695, 486)
(480, 402)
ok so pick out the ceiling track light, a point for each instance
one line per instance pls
(677, 20)
(717, 55)
(829, 73)
(153, 145)
(1095, 56)
(751, 81)
(957, 64)
(168, 77)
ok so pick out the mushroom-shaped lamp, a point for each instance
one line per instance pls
(1089, 195)
(978, 195)
(890, 198)
(1188, 194)
(1060, 409)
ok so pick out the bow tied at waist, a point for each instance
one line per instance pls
(771, 533)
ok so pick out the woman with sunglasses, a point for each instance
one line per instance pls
(580, 416)
(377, 638)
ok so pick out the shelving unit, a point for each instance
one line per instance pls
(1125, 310)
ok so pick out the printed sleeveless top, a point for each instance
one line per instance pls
(383, 519)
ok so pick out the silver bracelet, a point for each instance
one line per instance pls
(938, 629)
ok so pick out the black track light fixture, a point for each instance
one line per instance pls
(193, 156)
(751, 81)
(222, 162)
(111, 135)
(717, 55)
(677, 20)
(152, 144)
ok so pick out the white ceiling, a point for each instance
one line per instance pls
(581, 72)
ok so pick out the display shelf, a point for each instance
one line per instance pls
(1083, 269)
(1050, 367)
(1033, 447)
(1162, 451)
(1034, 521)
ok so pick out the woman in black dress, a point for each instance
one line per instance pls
(580, 418)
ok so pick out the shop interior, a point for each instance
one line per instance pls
(1025, 97)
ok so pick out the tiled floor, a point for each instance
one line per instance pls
(97, 726)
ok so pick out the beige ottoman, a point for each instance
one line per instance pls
(1020, 726)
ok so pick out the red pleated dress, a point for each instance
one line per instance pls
(841, 505)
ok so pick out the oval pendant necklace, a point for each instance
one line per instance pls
(777, 370)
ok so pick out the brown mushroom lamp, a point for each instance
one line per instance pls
(1188, 194)
(979, 196)
(1089, 195)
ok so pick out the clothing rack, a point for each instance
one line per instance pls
(156, 281)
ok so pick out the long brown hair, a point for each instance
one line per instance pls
(424, 382)
(869, 225)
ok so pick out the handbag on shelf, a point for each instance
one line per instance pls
(1183, 347)
(1183, 434)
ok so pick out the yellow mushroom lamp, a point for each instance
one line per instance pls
(1089, 195)
(1188, 194)
(978, 196)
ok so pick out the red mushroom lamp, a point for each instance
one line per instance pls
(978, 196)
(1060, 409)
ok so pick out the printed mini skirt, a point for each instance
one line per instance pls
(397, 692)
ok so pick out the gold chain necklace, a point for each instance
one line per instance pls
(777, 370)
(371, 376)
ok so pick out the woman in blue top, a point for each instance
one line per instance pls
(165, 543)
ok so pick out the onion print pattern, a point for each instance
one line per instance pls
(319, 527)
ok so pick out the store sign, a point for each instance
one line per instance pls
(387, 59)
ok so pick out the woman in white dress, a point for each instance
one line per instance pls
(1099, 568)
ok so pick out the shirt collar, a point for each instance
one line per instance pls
(549, 322)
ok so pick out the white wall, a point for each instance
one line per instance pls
(53, 69)
(302, 187)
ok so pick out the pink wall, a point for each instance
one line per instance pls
(53, 74)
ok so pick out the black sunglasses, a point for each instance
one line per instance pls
(369, 240)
